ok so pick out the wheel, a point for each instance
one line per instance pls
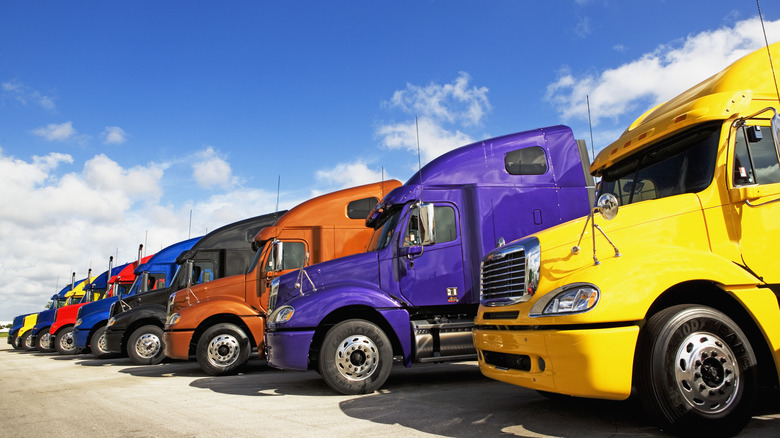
(145, 345)
(223, 349)
(26, 341)
(97, 342)
(43, 341)
(16, 343)
(696, 371)
(64, 342)
(355, 357)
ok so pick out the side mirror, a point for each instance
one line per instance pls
(188, 266)
(607, 206)
(427, 228)
(278, 251)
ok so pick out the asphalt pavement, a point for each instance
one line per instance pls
(45, 394)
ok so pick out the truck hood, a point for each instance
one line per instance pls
(357, 268)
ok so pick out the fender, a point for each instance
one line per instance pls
(194, 315)
(144, 311)
(311, 309)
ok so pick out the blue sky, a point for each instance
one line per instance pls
(119, 118)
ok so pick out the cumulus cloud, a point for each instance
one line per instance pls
(114, 135)
(434, 139)
(351, 174)
(55, 132)
(656, 76)
(26, 95)
(211, 170)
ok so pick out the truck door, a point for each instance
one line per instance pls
(431, 274)
(755, 193)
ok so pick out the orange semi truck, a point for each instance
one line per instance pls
(221, 321)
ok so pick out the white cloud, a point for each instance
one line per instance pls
(455, 102)
(26, 95)
(54, 132)
(657, 76)
(434, 139)
(211, 170)
(582, 29)
(114, 135)
(346, 175)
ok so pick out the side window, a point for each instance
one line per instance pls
(360, 208)
(527, 161)
(444, 224)
(156, 281)
(755, 156)
(286, 255)
(203, 271)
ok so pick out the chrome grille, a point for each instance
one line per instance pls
(503, 279)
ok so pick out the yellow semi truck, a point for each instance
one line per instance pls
(677, 295)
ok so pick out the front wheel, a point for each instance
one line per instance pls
(64, 342)
(223, 349)
(43, 341)
(16, 343)
(27, 341)
(145, 345)
(97, 343)
(696, 371)
(356, 357)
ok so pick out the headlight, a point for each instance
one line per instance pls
(173, 319)
(283, 314)
(572, 298)
(78, 322)
(111, 321)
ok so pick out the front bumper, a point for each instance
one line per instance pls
(288, 350)
(81, 338)
(595, 362)
(114, 340)
(177, 344)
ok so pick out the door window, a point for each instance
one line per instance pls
(445, 229)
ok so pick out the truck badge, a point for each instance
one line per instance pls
(452, 294)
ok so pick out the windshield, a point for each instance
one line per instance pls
(383, 231)
(684, 163)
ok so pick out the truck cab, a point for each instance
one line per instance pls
(135, 326)
(41, 338)
(222, 321)
(414, 293)
(669, 288)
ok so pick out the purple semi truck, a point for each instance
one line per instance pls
(414, 293)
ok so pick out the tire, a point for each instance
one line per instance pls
(223, 349)
(26, 341)
(43, 341)
(16, 343)
(355, 357)
(64, 342)
(145, 345)
(696, 371)
(97, 343)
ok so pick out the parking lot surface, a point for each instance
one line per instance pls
(76, 396)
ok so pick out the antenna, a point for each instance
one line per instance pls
(768, 52)
(278, 189)
(146, 239)
(590, 125)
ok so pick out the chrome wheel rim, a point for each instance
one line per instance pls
(101, 344)
(148, 345)
(28, 342)
(223, 350)
(357, 358)
(66, 342)
(707, 373)
(46, 341)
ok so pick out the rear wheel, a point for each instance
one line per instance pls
(356, 357)
(43, 341)
(223, 349)
(64, 342)
(696, 371)
(97, 342)
(145, 345)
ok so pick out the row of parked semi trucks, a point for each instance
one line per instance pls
(676, 299)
